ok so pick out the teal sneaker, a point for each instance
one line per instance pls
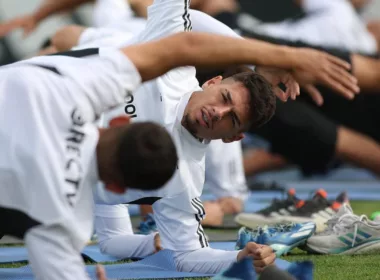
(148, 226)
(282, 237)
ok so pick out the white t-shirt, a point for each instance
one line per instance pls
(48, 139)
(329, 23)
(179, 213)
(163, 100)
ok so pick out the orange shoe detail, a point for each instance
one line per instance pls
(300, 203)
(336, 205)
(322, 193)
(292, 192)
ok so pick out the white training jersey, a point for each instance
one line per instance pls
(47, 108)
(329, 23)
(163, 101)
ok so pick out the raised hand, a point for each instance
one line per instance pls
(27, 23)
(316, 67)
(276, 76)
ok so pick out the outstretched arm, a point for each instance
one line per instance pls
(155, 58)
(30, 21)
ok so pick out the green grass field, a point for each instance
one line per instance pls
(360, 267)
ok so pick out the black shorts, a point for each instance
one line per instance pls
(15, 223)
(306, 134)
(302, 135)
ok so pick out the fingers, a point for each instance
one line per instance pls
(157, 243)
(9, 26)
(345, 78)
(5, 28)
(280, 94)
(314, 94)
(339, 62)
(263, 252)
(338, 78)
(263, 257)
(26, 22)
(100, 272)
(262, 264)
(292, 87)
(338, 87)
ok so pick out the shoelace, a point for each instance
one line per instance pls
(340, 226)
(284, 227)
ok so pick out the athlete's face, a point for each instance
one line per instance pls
(221, 111)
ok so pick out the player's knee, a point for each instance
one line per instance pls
(214, 213)
(104, 249)
(346, 145)
(67, 37)
(231, 205)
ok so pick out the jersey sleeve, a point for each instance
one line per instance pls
(103, 80)
(53, 256)
(311, 6)
(103, 37)
(166, 17)
(202, 22)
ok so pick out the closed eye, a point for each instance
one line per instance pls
(225, 99)
(233, 118)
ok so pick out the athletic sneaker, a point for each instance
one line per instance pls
(242, 270)
(282, 237)
(148, 226)
(346, 234)
(270, 214)
(318, 210)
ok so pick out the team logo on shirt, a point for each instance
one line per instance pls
(130, 108)
(73, 165)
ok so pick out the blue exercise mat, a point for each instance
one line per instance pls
(158, 266)
(93, 253)
(13, 254)
(20, 254)
(345, 173)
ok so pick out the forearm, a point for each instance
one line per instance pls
(206, 51)
(49, 8)
(128, 246)
(205, 260)
(52, 254)
(114, 230)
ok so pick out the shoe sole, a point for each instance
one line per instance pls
(252, 220)
(319, 222)
(366, 248)
(281, 249)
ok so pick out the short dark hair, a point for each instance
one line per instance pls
(147, 156)
(262, 97)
